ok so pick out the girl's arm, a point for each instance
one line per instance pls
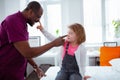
(48, 35)
(83, 52)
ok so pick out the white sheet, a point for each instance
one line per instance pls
(102, 73)
(97, 73)
(51, 73)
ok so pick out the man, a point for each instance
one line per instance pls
(14, 46)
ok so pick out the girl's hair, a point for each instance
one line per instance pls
(79, 31)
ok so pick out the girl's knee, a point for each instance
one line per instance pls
(75, 77)
(61, 76)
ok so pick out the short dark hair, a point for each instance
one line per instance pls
(34, 6)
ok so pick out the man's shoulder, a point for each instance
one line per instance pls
(13, 16)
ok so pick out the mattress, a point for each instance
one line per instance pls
(96, 73)
(51, 73)
(102, 73)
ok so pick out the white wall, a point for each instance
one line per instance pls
(72, 11)
(11, 6)
(8, 7)
(2, 9)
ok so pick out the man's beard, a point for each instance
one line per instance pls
(30, 23)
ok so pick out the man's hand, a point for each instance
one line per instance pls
(39, 72)
(59, 41)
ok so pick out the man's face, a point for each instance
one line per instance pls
(34, 17)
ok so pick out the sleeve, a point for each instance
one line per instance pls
(16, 31)
(48, 35)
(60, 56)
(83, 60)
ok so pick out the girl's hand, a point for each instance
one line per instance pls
(86, 77)
(40, 26)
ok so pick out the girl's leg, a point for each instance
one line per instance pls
(61, 76)
(75, 76)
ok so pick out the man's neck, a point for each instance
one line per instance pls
(25, 14)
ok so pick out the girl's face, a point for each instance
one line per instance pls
(71, 37)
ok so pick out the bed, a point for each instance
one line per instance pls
(102, 73)
(97, 73)
(105, 72)
(51, 73)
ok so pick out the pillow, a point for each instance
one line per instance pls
(107, 54)
(115, 64)
(115, 61)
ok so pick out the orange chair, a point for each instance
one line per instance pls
(108, 53)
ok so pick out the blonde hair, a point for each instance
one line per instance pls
(79, 31)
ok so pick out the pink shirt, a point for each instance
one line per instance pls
(71, 49)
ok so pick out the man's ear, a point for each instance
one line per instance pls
(30, 12)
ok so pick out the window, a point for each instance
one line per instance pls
(93, 21)
(54, 18)
(98, 16)
(112, 11)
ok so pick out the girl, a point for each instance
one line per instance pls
(73, 55)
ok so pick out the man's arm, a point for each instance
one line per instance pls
(32, 62)
(29, 52)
